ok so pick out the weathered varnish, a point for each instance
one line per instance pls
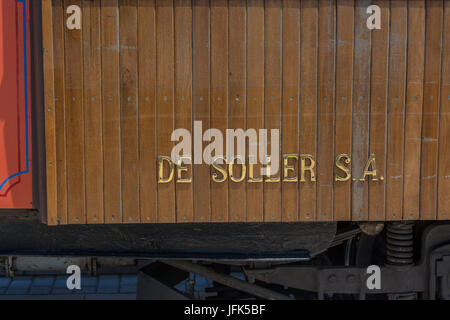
(138, 69)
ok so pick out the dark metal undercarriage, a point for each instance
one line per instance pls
(274, 261)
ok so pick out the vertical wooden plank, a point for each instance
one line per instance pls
(183, 98)
(344, 99)
(49, 99)
(396, 109)
(361, 92)
(201, 100)
(129, 111)
(147, 110)
(58, 38)
(308, 106)
(255, 99)
(219, 98)
(414, 102)
(272, 98)
(165, 101)
(430, 129)
(325, 156)
(111, 111)
(75, 123)
(237, 98)
(291, 76)
(378, 112)
(93, 111)
(444, 134)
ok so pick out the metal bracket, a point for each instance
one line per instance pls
(8, 264)
(443, 272)
(440, 275)
(342, 280)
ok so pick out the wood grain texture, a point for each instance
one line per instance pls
(272, 98)
(344, 99)
(76, 173)
(165, 101)
(378, 113)
(325, 110)
(255, 99)
(50, 124)
(444, 127)
(112, 160)
(396, 109)
(413, 112)
(291, 80)
(201, 104)
(219, 98)
(430, 118)
(129, 111)
(361, 100)
(60, 117)
(183, 99)
(92, 100)
(309, 35)
(138, 69)
(237, 90)
(147, 110)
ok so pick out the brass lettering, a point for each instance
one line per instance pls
(370, 169)
(251, 177)
(219, 168)
(181, 169)
(231, 170)
(268, 178)
(287, 167)
(340, 165)
(161, 160)
(304, 167)
(294, 169)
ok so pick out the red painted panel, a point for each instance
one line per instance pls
(15, 159)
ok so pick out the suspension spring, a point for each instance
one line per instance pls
(399, 244)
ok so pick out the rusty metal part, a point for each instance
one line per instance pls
(8, 265)
(371, 228)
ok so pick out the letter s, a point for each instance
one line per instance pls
(340, 165)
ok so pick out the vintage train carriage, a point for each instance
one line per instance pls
(369, 108)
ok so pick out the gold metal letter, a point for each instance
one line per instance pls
(243, 172)
(161, 160)
(181, 169)
(268, 178)
(341, 166)
(251, 178)
(287, 167)
(373, 171)
(219, 168)
(310, 168)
